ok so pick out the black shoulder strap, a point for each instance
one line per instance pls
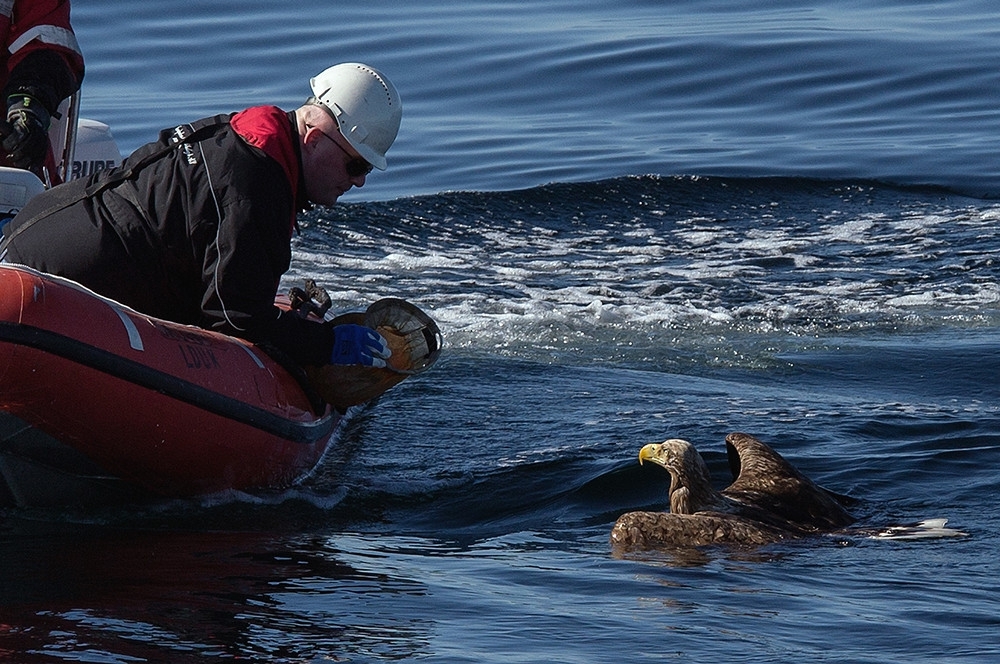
(180, 136)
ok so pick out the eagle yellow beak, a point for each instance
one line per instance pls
(646, 453)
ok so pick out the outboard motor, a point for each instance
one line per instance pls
(95, 151)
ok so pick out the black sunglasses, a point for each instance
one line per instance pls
(355, 166)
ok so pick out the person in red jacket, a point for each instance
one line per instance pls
(41, 65)
(196, 227)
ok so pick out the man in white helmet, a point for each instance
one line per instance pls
(196, 227)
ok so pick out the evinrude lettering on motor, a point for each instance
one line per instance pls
(199, 357)
(84, 168)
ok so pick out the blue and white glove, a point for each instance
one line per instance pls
(357, 344)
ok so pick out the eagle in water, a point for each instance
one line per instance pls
(769, 500)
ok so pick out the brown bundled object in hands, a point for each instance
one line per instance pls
(413, 337)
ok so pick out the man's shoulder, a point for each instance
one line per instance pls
(262, 126)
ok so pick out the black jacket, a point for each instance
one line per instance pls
(206, 221)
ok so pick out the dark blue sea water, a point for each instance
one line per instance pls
(633, 221)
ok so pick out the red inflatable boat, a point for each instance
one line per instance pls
(98, 396)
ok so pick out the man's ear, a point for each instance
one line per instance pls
(312, 138)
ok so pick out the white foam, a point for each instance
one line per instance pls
(700, 282)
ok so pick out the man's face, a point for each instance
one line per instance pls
(330, 165)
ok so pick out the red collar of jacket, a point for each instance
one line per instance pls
(269, 128)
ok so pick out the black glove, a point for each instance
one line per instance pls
(28, 140)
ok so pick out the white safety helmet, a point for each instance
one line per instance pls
(365, 105)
